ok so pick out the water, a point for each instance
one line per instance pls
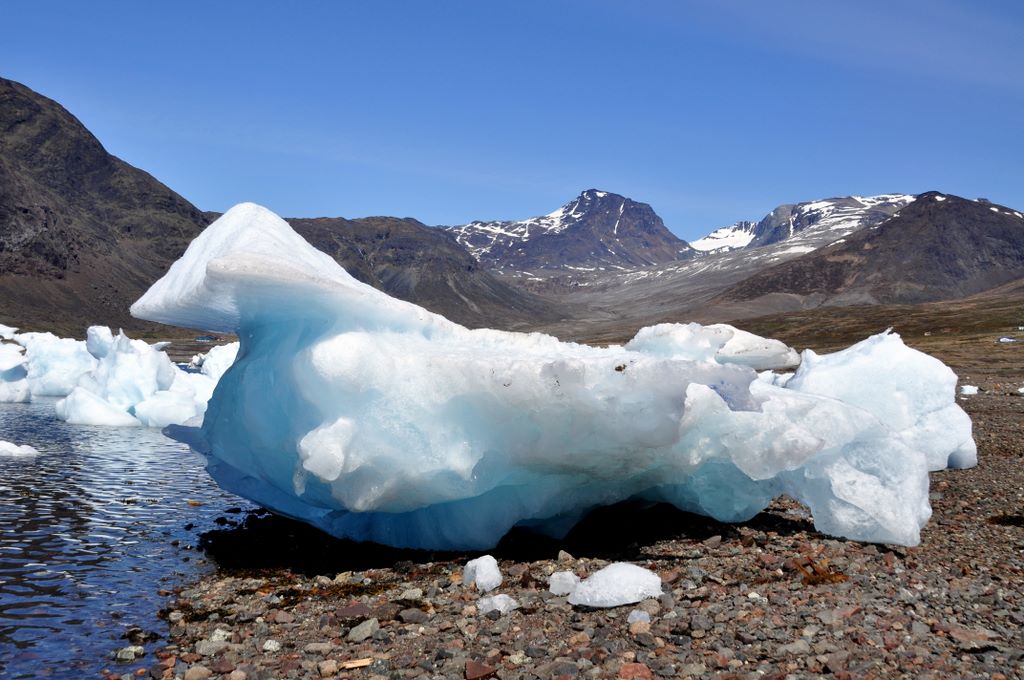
(87, 533)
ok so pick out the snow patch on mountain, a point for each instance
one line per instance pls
(479, 237)
(727, 238)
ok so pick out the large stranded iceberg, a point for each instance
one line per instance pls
(375, 419)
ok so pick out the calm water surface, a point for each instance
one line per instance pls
(87, 533)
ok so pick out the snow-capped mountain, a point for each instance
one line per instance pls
(824, 221)
(596, 231)
(807, 225)
(938, 247)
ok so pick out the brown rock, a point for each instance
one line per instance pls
(281, 616)
(635, 671)
(198, 673)
(477, 671)
(353, 612)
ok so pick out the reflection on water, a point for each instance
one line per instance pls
(86, 533)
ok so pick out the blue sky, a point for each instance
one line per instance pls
(711, 111)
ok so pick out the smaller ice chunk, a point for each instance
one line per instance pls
(638, 616)
(134, 383)
(484, 572)
(7, 332)
(502, 603)
(82, 407)
(563, 583)
(14, 385)
(99, 340)
(919, 404)
(7, 449)
(718, 342)
(967, 390)
(54, 364)
(617, 584)
(215, 362)
(218, 360)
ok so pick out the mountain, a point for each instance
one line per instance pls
(939, 247)
(421, 264)
(934, 248)
(805, 225)
(595, 232)
(82, 233)
(825, 220)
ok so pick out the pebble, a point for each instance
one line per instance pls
(198, 673)
(130, 653)
(364, 630)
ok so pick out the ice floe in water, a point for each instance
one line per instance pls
(7, 449)
(107, 379)
(375, 419)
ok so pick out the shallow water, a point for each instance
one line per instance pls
(86, 539)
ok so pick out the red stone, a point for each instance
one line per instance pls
(632, 671)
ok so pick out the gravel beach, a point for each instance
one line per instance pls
(771, 598)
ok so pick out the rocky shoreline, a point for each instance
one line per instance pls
(771, 598)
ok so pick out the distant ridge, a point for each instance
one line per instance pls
(938, 247)
(809, 224)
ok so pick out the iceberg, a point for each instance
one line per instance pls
(374, 419)
(133, 383)
(54, 364)
(107, 379)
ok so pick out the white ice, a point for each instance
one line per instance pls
(107, 379)
(968, 390)
(375, 419)
(483, 572)
(14, 385)
(918, 405)
(54, 364)
(7, 449)
(133, 383)
(502, 603)
(563, 582)
(638, 616)
(720, 342)
(617, 584)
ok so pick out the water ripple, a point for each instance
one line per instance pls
(86, 532)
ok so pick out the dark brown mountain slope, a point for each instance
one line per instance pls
(414, 262)
(939, 247)
(82, 233)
